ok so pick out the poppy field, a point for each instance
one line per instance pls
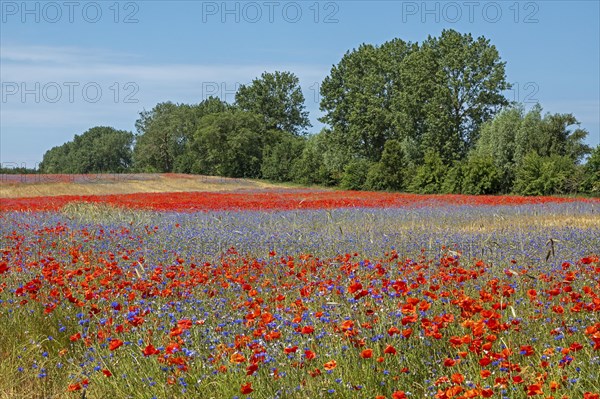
(299, 294)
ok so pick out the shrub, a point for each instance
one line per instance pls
(355, 174)
(591, 170)
(279, 157)
(390, 172)
(554, 174)
(310, 168)
(481, 176)
(453, 180)
(376, 178)
(429, 177)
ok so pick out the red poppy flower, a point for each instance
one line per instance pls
(393, 330)
(330, 365)
(114, 344)
(534, 389)
(526, 350)
(75, 337)
(184, 324)
(355, 287)
(150, 350)
(307, 330)
(237, 358)
(74, 387)
(251, 369)
(176, 331)
(457, 378)
(3, 267)
(558, 309)
(517, 379)
(449, 362)
(246, 388)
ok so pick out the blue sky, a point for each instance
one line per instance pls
(68, 66)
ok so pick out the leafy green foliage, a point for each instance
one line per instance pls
(229, 144)
(428, 118)
(355, 174)
(376, 178)
(480, 176)
(278, 98)
(465, 79)
(161, 137)
(437, 94)
(591, 182)
(165, 131)
(279, 158)
(100, 149)
(10, 168)
(390, 173)
(453, 181)
(429, 177)
(547, 175)
(311, 168)
(497, 142)
(357, 96)
(513, 134)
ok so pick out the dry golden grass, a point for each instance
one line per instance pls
(541, 221)
(139, 183)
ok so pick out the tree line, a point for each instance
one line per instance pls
(426, 117)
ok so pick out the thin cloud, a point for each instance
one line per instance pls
(34, 63)
(27, 66)
(61, 55)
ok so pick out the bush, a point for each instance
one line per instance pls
(376, 178)
(453, 180)
(538, 175)
(310, 167)
(184, 163)
(355, 174)
(390, 172)
(591, 170)
(429, 177)
(481, 176)
(278, 158)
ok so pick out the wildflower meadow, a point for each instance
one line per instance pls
(299, 294)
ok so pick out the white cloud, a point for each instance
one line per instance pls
(48, 70)
(35, 63)
(55, 54)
